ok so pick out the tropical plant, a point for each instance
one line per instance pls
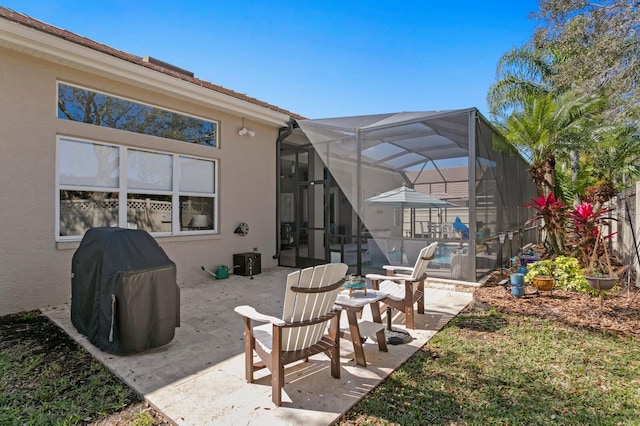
(566, 271)
(587, 222)
(546, 126)
(592, 50)
(588, 240)
(572, 183)
(542, 268)
(578, 140)
(568, 274)
(520, 73)
(551, 213)
(614, 160)
(525, 72)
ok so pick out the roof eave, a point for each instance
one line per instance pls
(57, 50)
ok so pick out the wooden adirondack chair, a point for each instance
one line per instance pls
(302, 330)
(402, 297)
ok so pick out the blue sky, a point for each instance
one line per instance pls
(318, 59)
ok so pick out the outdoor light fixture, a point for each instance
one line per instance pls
(245, 131)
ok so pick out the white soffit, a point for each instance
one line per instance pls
(57, 50)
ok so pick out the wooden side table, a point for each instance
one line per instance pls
(359, 328)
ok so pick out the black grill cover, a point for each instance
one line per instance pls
(124, 295)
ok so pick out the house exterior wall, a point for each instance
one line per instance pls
(35, 270)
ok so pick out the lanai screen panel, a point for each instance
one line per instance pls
(371, 155)
(503, 186)
(435, 153)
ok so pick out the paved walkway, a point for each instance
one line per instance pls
(198, 378)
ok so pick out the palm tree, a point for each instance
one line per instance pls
(579, 139)
(572, 182)
(522, 73)
(546, 126)
(568, 132)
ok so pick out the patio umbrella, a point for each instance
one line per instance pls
(405, 197)
(444, 195)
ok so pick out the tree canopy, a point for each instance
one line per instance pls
(600, 46)
(570, 97)
(547, 126)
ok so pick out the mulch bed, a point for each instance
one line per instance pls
(619, 314)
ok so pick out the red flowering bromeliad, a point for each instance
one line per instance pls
(587, 220)
(552, 213)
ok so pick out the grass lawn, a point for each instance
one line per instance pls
(48, 379)
(486, 368)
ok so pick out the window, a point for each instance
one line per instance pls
(79, 104)
(108, 185)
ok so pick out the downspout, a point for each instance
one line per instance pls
(283, 133)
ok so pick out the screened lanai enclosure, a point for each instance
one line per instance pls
(373, 190)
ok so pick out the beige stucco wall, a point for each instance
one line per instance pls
(34, 269)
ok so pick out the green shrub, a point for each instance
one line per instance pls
(566, 271)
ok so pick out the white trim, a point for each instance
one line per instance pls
(57, 190)
(51, 48)
(123, 152)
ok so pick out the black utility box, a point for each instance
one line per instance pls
(247, 264)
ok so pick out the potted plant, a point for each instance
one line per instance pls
(600, 280)
(540, 274)
(565, 271)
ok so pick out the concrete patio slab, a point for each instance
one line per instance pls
(198, 378)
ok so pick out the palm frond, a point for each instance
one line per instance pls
(520, 72)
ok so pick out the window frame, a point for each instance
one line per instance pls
(123, 191)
